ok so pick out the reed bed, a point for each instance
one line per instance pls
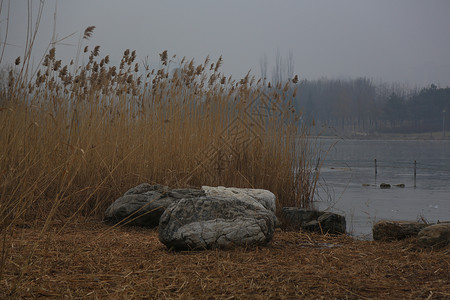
(72, 142)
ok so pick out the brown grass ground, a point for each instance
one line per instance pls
(92, 260)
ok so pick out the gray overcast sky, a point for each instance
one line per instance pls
(404, 41)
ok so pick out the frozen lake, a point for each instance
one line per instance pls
(348, 184)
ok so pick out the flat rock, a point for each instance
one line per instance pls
(215, 222)
(396, 230)
(435, 236)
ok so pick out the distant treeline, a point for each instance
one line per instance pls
(360, 106)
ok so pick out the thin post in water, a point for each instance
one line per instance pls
(376, 171)
(415, 172)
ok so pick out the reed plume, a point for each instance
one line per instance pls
(88, 32)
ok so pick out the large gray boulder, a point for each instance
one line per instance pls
(144, 204)
(294, 218)
(215, 222)
(435, 236)
(396, 230)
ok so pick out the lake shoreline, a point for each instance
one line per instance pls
(435, 136)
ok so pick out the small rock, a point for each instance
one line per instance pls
(312, 226)
(332, 223)
(435, 236)
(294, 218)
(395, 230)
(312, 220)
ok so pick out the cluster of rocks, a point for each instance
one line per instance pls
(219, 217)
(213, 217)
(388, 185)
(427, 235)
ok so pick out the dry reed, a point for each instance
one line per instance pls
(74, 138)
(81, 138)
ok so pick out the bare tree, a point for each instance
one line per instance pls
(289, 65)
(277, 72)
(283, 69)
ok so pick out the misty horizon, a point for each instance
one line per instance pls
(403, 42)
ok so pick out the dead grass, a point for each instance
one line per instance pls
(91, 260)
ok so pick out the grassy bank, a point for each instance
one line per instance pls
(93, 261)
